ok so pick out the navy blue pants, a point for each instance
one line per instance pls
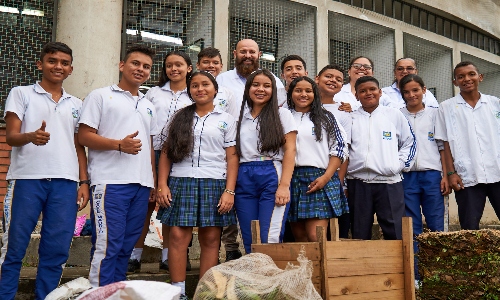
(384, 199)
(471, 201)
(118, 212)
(56, 200)
(255, 200)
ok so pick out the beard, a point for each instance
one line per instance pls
(245, 70)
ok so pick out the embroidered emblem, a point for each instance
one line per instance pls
(497, 115)
(75, 112)
(222, 103)
(222, 125)
(387, 135)
(430, 136)
(150, 112)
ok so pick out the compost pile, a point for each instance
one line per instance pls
(256, 277)
(459, 265)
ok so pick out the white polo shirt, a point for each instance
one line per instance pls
(345, 95)
(225, 100)
(474, 137)
(166, 103)
(382, 145)
(313, 153)
(212, 134)
(249, 135)
(56, 159)
(423, 124)
(236, 84)
(397, 100)
(115, 114)
(342, 117)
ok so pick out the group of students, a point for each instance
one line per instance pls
(216, 150)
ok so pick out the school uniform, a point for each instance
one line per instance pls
(382, 146)
(397, 101)
(311, 161)
(43, 179)
(232, 81)
(226, 101)
(121, 182)
(198, 181)
(345, 95)
(166, 103)
(258, 179)
(474, 137)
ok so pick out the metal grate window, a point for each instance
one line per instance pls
(416, 16)
(434, 63)
(165, 26)
(279, 27)
(25, 26)
(351, 37)
(490, 71)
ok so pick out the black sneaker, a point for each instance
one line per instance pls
(134, 266)
(232, 255)
(164, 266)
(183, 297)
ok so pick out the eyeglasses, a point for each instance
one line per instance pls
(358, 66)
(408, 69)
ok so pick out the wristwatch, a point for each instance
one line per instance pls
(84, 182)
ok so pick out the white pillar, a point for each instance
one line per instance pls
(399, 43)
(322, 37)
(221, 30)
(92, 28)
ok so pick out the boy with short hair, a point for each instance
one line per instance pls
(382, 145)
(468, 124)
(292, 66)
(47, 165)
(117, 125)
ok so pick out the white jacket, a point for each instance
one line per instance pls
(382, 145)
(423, 124)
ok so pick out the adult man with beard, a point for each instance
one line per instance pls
(246, 57)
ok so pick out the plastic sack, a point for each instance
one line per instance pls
(154, 238)
(133, 290)
(256, 276)
(80, 221)
(70, 290)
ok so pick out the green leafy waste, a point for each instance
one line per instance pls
(459, 265)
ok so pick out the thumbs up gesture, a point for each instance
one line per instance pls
(39, 137)
(130, 144)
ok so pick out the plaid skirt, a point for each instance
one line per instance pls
(329, 202)
(194, 203)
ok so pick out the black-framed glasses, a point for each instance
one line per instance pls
(359, 66)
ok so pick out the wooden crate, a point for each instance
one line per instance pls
(351, 269)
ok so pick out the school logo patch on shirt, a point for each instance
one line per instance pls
(222, 125)
(387, 135)
(497, 115)
(313, 131)
(150, 112)
(75, 112)
(430, 136)
(222, 103)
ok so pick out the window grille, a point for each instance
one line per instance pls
(25, 26)
(351, 37)
(434, 63)
(185, 25)
(279, 27)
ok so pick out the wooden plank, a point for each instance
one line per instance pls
(365, 284)
(385, 295)
(408, 261)
(289, 251)
(334, 230)
(364, 266)
(321, 235)
(349, 249)
(316, 273)
(255, 232)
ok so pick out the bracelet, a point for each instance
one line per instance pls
(84, 182)
(231, 192)
(451, 173)
(120, 148)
